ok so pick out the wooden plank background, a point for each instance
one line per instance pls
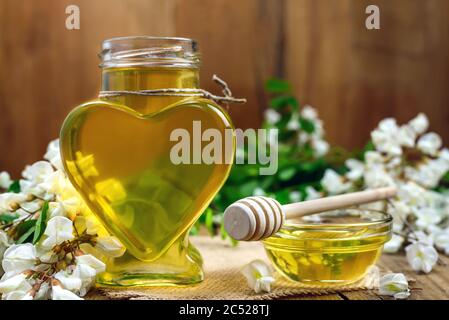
(354, 77)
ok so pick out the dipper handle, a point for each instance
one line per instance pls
(257, 218)
(299, 209)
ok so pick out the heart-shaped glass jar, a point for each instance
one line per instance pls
(117, 153)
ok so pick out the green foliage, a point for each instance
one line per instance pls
(14, 187)
(25, 231)
(7, 218)
(41, 223)
(277, 86)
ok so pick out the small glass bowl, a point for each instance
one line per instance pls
(329, 248)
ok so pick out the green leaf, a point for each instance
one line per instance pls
(446, 177)
(277, 86)
(307, 125)
(27, 235)
(209, 222)
(283, 196)
(14, 187)
(287, 173)
(24, 229)
(41, 223)
(7, 218)
(284, 101)
(247, 189)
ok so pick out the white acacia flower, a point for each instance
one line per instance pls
(406, 136)
(421, 257)
(411, 194)
(32, 206)
(43, 293)
(318, 129)
(385, 137)
(55, 209)
(17, 295)
(421, 237)
(271, 116)
(53, 155)
(59, 229)
(91, 261)
(259, 192)
(356, 169)
(393, 163)
(373, 158)
(58, 293)
(333, 182)
(424, 175)
(5, 180)
(419, 124)
(87, 275)
(376, 176)
(19, 257)
(5, 242)
(441, 240)
(320, 146)
(8, 199)
(309, 113)
(55, 182)
(394, 284)
(295, 196)
(18, 282)
(29, 187)
(38, 171)
(426, 217)
(312, 193)
(258, 275)
(293, 123)
(394, 244)
(430, 143)
(70, 201)
(303, 138)
(69, 281)
(110, 246)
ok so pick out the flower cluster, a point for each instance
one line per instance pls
(415, 162)
(51, 245)
(306, 125)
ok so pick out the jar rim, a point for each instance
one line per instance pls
(133, 51)
(385, 219)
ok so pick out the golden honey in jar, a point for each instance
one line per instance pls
(329, 248)
(116, 151)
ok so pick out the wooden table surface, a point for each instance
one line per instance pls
(432, 286)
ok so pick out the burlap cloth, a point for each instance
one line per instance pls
(223, 280)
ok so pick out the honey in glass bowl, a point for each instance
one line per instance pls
(329, 248)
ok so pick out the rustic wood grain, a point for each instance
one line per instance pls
(353, 76)
(357, 77)
(241, 43)
(433, 286)
(46, 70)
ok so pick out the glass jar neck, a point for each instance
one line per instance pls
(148, 63)
(147, 78)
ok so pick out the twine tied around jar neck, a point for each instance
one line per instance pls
(227, 97)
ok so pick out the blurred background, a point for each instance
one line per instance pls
(353, 76)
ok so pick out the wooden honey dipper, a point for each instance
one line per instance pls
(256, 218)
